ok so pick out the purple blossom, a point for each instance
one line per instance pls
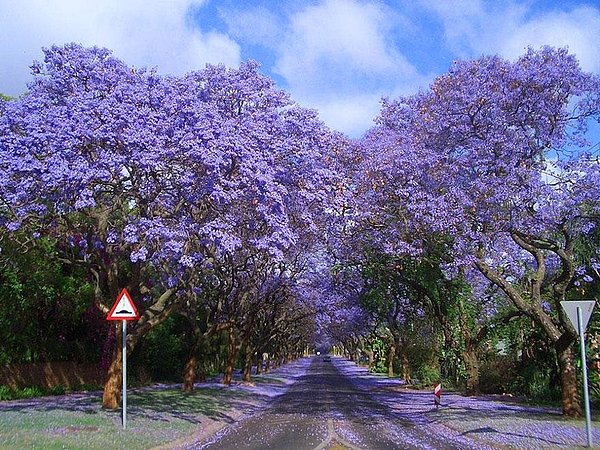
(172, 282)
(139, 255)
(130, 234)
(186, 261)
(13, 226)
(111, 237)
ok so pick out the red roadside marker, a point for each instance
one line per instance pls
(437, 394)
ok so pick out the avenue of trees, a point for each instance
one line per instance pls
(439, 245)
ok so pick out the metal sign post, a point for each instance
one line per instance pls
(124, 310)
(579, 313)
(124, 322)
(586, 393)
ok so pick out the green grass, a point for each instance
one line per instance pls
(7, 393)
(269, 379)
(154, 417)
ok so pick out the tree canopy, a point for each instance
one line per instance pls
(215, 196)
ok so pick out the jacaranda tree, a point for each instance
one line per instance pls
(147, 180)
(493, 157)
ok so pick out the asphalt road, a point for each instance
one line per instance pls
(324, 409)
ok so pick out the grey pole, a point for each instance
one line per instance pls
(124, 374)
(586, 395)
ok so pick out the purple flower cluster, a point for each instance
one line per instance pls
(209, 185)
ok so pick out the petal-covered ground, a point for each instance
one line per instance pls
(162, 416)
(498, 422)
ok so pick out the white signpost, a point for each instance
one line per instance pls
(579, 313)
(124, 310)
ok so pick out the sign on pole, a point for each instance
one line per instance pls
(579, 313)
(586, 307)
(124, 309)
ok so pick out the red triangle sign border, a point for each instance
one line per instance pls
(129, 313)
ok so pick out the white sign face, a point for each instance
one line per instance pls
(586, 306)
(123, 309)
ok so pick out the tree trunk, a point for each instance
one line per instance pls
(153, 316)
(472, 370)
(390, 361)
(571, 406)
(469, 353)
(190, 372)
(259, 362)
(451, 348)
(111, 397)
(232, 351)
(248, 363)
(370, 360)
(405, 365)
(562, 340)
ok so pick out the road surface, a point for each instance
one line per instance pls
(326, 409)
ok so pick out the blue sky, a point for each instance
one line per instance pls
(336, 56)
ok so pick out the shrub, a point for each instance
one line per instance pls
(57, 390)
(378, 366)
(162, 353)
(497, 376)
(427, 374)
(87, 387)
(30, 392)
(6, 393)
(537, 385)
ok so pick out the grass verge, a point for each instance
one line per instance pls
(154, 417)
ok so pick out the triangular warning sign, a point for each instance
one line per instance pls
(123, 309)
(570, 307)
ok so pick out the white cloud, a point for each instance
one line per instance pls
(460, 19)
(350, 114)
(142, 33)
(336, 38)
(578, 30)
(474, 27)
(337, 57)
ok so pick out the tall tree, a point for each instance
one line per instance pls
(486, 156)
(149, 181)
